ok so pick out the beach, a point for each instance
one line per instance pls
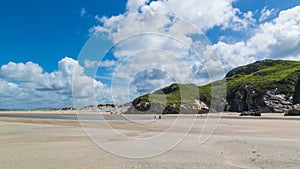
(237, 142)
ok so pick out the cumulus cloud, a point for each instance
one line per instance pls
(276, 39)
(152, 26)
(203, 13)
(8, 89)
(281, 37)
(21, 72)
(153, 50)
(147, 80)
(148, 70)
(28, 86)
(135, 5)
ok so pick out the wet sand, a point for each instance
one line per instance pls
(236, 143)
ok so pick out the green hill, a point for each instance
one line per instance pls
(268, 86)
(263, 86)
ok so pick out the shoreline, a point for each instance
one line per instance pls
(73, 114)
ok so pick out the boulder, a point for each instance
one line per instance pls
(295, 111)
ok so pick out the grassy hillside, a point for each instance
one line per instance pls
(264, 75)
(245, 87)
(174, 94)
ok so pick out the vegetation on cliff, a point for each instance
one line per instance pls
(263, 86)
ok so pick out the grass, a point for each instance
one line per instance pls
(259, 77)
(174, 94)
(282, 75)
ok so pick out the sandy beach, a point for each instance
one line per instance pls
(236, 143)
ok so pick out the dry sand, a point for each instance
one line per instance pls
(237, 143)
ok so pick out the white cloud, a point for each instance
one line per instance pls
(233, 55)
(277, 39)
(83, 12)
(154, 50)
(20, 71)
(266, 13)
(140, 29)
(195, 16)
(147, 70)
(268, 38)
(135, 5)
(95, 64)
(205, 14)
(243, 23)
(28, 86)
(8, 89)
(281, 37)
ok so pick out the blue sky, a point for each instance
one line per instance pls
(41, 41)
(46, 31)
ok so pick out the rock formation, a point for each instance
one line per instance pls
(263, 86)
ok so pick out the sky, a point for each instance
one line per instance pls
(60, 54)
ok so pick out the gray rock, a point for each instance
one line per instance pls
(145, 107)
(249, 100)
(277, 102)
(295, 111)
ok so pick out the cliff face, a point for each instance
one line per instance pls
(263, 86)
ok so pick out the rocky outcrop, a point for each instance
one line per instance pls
(245, 99)
(67, 109)
(251, 100)
(108, 108)
(146, 107)
(295, 111)
(277, 102)
(296, 96)
(264, 86)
